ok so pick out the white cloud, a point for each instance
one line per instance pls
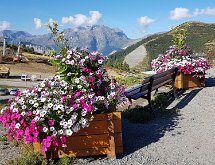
(50, 22)
(179, 13)
(95, 17)
(145, 21)
(4, 25)
(38, 23)
(82, 20)
(208, 11)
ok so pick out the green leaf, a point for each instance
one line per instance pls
(62, 70)
(55, 62)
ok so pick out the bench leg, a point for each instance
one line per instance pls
(150, 105)
(156, 91)
(173, 90)
(149, 101)
(130, 103)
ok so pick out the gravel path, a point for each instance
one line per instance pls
(184, 139)
(187, 138)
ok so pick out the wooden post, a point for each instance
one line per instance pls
(173, 83)
(112, 148)
(149, 94)
(4, 46)
(1, 56)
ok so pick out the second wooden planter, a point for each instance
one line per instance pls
(184, 81)
(102, 137)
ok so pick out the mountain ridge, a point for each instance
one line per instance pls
(98, 37)
(201, 38)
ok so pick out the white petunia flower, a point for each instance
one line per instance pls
(63, 83)
(43, 99)
(52, 128)
(100, 61)
(61, 107)
(69, 125)
(61, 122)
(69, 74)
(74, 116)
(52, 84)
(57, 77)
(55, 107)
(76, 128)
(50, 105)
(68, 132)
(45, 129)
(24, 107)
(68, 111)
(54, 92)
(17, 125)
(15, 110)
(36, 105)
(77, 81)
(31, 101)
(54, 133)
(37, 112)
(79, 86)
(63, 60)
(83, 113)
(60, 132)
(70, 121)
(65, 124)
(72, 62)
(68, 56)
(23, 113)
(43, 113)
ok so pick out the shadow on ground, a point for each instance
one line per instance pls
(138, 135)
(15, 77)
(210, 82)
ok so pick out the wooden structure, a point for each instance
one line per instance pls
(152, 83)
(102, 137)
(186, 81)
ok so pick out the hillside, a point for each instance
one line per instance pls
(201, 37)
(133, 58)
(101, 38)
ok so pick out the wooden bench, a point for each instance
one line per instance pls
(152, 83)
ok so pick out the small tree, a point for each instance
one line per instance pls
(179, 36)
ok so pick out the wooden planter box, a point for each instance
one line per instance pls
(102, 137)
(185, 81)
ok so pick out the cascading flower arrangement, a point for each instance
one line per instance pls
(58, 107)
(180, 55)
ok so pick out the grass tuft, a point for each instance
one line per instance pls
(137, 115)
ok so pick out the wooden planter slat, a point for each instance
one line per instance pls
(187, 81)
(99, 127)
(102, 137)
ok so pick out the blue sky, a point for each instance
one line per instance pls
(136, 18)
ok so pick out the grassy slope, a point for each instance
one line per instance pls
(199, 37)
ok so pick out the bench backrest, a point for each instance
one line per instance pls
(163, 78)
(144, 87)
(153, 82)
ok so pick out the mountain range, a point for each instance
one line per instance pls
(98, 37)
